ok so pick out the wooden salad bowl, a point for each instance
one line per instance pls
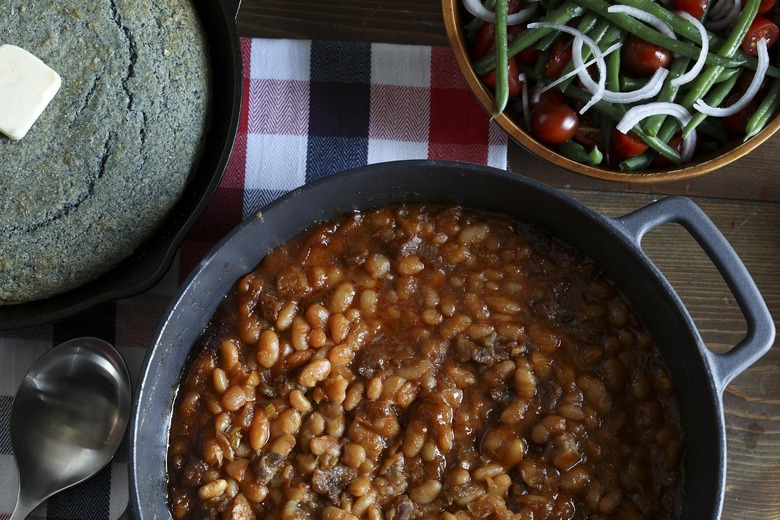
(706, 163)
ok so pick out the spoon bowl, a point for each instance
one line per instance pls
(68, 418)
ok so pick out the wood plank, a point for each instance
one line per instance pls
(753, 177)
(395, 21)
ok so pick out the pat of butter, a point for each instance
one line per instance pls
(27, 85)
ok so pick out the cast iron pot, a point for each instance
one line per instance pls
(150, 262)
(700, 375)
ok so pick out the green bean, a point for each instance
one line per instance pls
(707, 79)
(678, 24)
(586, 24)
(627, 83)
(644, 32)
(727, 74)
(640, 162)
(669, 126)
(563, 14)
(549, 5)
(541, 63)
(610, 110)
(547, 41)
(607, 127)
(614, 34)
(577, 152)
(686, 29)
(765, 111)
(502, 74)
(616, 112)
(714, 98)
(659, 145)
(600, 34)
(668, 93)
(613, 72)
(595, 155)
(472, 28)
(714, 130)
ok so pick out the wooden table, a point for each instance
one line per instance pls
(742, 199)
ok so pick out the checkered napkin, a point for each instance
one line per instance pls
(310, 109)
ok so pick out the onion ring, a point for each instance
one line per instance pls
(750, 92)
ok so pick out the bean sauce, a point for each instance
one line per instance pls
(425, 362)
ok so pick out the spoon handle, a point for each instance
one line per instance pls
(24, 506)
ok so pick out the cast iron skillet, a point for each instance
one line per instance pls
(700, 375)
(150, 262)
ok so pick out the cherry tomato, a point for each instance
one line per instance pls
(760, 28)
(553, 123)
(676, 143)
(628, 145)
(694, 8)
(560, 56)
(529, 55)
(642, 58)
(515, 85)
(553, 95)
(485, 41)
(589, 136)
(774, 15)
(515, 5)
(765, 6)
(744, 81)
(486, 36)
(736, 123)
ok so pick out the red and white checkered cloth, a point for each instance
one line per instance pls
(310, 109)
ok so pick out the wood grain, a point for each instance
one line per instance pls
(754, 177)
(388, 21)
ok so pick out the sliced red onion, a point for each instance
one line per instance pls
(705, 48)
(646, 17)
(524, 101)
(596, 89)
(640, 112)
(636, 114)
(689, 147)
(720, 8)
(522, 15)
(575, 71)
(750, 92)
(536, 94)
(650, 90)
(728, 19)
(476, 8)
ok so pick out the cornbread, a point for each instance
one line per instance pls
(112, 153)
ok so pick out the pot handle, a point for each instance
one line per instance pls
(760, 327)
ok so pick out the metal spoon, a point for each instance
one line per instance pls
(68, 418)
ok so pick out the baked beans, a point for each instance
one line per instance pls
(425, 362)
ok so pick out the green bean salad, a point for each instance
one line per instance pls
(634, 84)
